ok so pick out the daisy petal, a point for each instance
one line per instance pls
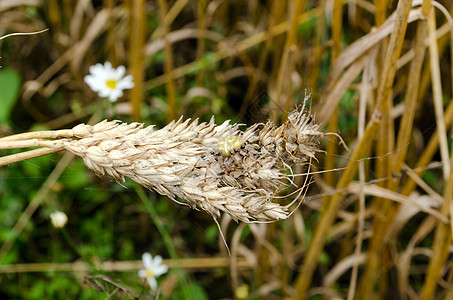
(142, 273)
(147, 260)
(152, 283)
(157, 260)
(120, 71)
(159, 270)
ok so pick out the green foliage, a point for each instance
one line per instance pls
(195, 291)
(347, 120)
(9, 92)
(324, 258)
(206, 63)
(76, 177)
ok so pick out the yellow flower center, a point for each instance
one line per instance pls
(149, 273)
(111, 83)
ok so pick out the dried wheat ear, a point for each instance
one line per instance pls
(211, 167)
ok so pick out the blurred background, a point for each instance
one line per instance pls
(376, 221)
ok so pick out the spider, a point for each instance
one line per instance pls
(229, 144)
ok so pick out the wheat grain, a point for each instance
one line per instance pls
(182, 161)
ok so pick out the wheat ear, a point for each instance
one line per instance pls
(211, 167)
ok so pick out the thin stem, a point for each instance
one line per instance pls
(365, 91)
(52, 134)
(410, 103)
(70, 242)
(137, 55)
(168, 62)
(331, 147)
(241, 46)
(164, 233)
(429, 151)
(275, 14)
(441, 244)
(28, 144)
(155, 217)
(437, 93)
(6, 160)
(328, 216)
(283, 88)
(174, 11)
(122, 266)
(23, 33)
(383, 101)
(201, 44)
(319, 39)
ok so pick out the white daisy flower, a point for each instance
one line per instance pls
(109, 82)
(153, 268)
(58, 219)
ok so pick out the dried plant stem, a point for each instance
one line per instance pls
(33, 139)
(201, 44)
(168, 62)
(318, 45)
(337, 28)
(258, 71)
(241, 46)
(22, 33)
(360, 47)
(6, 160)
(405, 129)
(287, 65)
(383, 99)
(31, 87)
(410, 102)
(333, 95)
(54, 134)
(331, 147)
(384, 145)
(441, 244)
(122, 266)
(174, 11)
(28, 144)
(437, 93)
(404, 133)
(442, 46)
(429, 150)
(331, 150)
(327, 217)
(282, 98)
(381, 11)
(365, 91)
(111, 35)
(137, 34)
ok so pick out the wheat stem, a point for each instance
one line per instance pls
(13, 158)
(39, 135)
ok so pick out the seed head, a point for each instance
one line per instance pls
(211, 167)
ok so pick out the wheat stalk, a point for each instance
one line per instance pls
(211, 167)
